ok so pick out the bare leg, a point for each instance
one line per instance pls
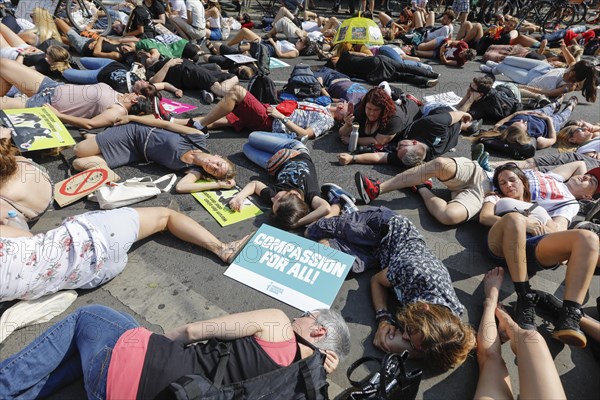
(8, 103)
(591, 327)
(158, 219)
(27, 80)
(221, 88)
(538, 377)
(578, 246)
(475, 33)
(507, 239)
(430, 20)
(384, 19)
(427, 45)
(494, 382)
(243, 34)
(441, 168)
(12, 39)
(283, 12)
(525, 41)
(464, 28)
(83, 163)
(224, 106)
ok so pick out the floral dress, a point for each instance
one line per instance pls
(77, 254)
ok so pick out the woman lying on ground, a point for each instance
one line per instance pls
(375, 69)
(279, 49)
(25, 186)
(541, 125)
(101, 70)
(295, 197)
(568, 54)
(428, 323)
(539, 77)
(260, 342)
(13, 47)
(90, 249)
(449, 52)
(184, 151)
(393, 29)
(580, 137)
(524, 238)
(84, 106)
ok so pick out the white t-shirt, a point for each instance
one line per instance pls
(179, 8)
(310, 26)
(197, 10)
(506, 204)
(550, 192)
(284, 46)
(550, 80)
(443, 31)
(593, 145)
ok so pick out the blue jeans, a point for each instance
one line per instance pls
(558, 119)
(78, 346)
(560, 34)
(262, 145)
(90, 75)
(522, 70)
(389, 51)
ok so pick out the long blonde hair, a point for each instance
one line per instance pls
(562, 139)
(58, 58)
(512, 134)
(45, 24)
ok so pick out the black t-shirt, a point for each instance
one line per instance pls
(187, 75)
(436, 132)
(296, 173)
(156, 9)
(115, 76)
(140, 16)
(405, 114)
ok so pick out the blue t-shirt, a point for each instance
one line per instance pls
(536, 126)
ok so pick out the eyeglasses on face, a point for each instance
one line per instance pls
(574, 131)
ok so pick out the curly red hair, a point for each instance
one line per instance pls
(379, 98)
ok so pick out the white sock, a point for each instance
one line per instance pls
(198, 125)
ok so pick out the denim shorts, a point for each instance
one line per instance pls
(216, 34)
(533, 265)
(44, 93)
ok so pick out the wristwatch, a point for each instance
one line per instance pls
(285, 120)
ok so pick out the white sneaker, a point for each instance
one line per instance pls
(486, 69)
(491, 63)
(207, 96)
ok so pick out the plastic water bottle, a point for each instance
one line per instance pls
(353, 139)
(17, 221)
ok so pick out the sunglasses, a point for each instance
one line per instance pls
(574, 131)
(309, 314)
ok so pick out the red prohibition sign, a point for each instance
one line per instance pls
(84, 176)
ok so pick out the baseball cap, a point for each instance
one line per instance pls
(596, 173)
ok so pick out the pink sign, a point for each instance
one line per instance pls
(176, 107)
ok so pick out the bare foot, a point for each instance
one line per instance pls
(543, 45)
(230, 250)
(507, 327)
(492, 282)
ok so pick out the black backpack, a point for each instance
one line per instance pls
(263, 88)
(499, 103)
(261, 53)
(303, 379)
(302, 83)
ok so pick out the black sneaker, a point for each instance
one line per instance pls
(567, 328)
(525, 311)
(548, 305)
(589, 226)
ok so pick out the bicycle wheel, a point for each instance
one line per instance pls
(581, 10)
(81, 13)
(437, 6)
(536, 13)
(557, 18)
(494, 8)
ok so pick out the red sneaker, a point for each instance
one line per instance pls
(367, 188)
(160, 112)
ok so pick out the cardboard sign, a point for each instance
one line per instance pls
(216, 203)
(176, 107)
(290, 268)
(240, 58)
(36, 128)
(74, 188)
(449, 98)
